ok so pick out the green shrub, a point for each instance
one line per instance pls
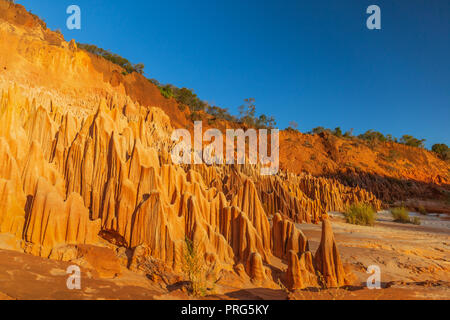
(187, 97)
(247, 113)
(416, 221)
(348, 134)
(319, 130)
(220, 113)
(372, 136)
(412, 142)
(400, 215)
(442, 151)
(360, 214)
(112, 57)
(166, 92)
(338, 132)
(194, 269)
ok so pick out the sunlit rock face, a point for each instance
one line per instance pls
(85, 163)
(69, 180)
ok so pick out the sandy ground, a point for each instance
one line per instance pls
(26, 277)
(414, 260)
(414, 263)
(404, 252)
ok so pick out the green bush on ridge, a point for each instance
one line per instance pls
(112, 57)
(185, 96)
(442, 150)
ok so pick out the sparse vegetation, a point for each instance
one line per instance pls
(114, 58)
(373, 137)
(293, 126)
(416, 221)
(38, 19)
(400, 215)
(338, 132)
(392, 156)
(247, 113)
(221, 114)
(348, 134)
(189, 98)
(412, 142)
(196, 116)
(360, 214)
(319, 130)
(194, 269)
(185, 96)
(166, 92)
(442, 151)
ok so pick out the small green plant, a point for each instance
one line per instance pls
(400, 215)
(194, 269)
(416, 221)
(360, 214)
(338, 132)
(166, 92)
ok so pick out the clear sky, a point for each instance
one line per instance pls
(314, 62)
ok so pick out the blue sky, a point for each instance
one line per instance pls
(314, 62)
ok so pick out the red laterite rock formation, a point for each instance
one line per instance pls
(85, 164)
(327, 258)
